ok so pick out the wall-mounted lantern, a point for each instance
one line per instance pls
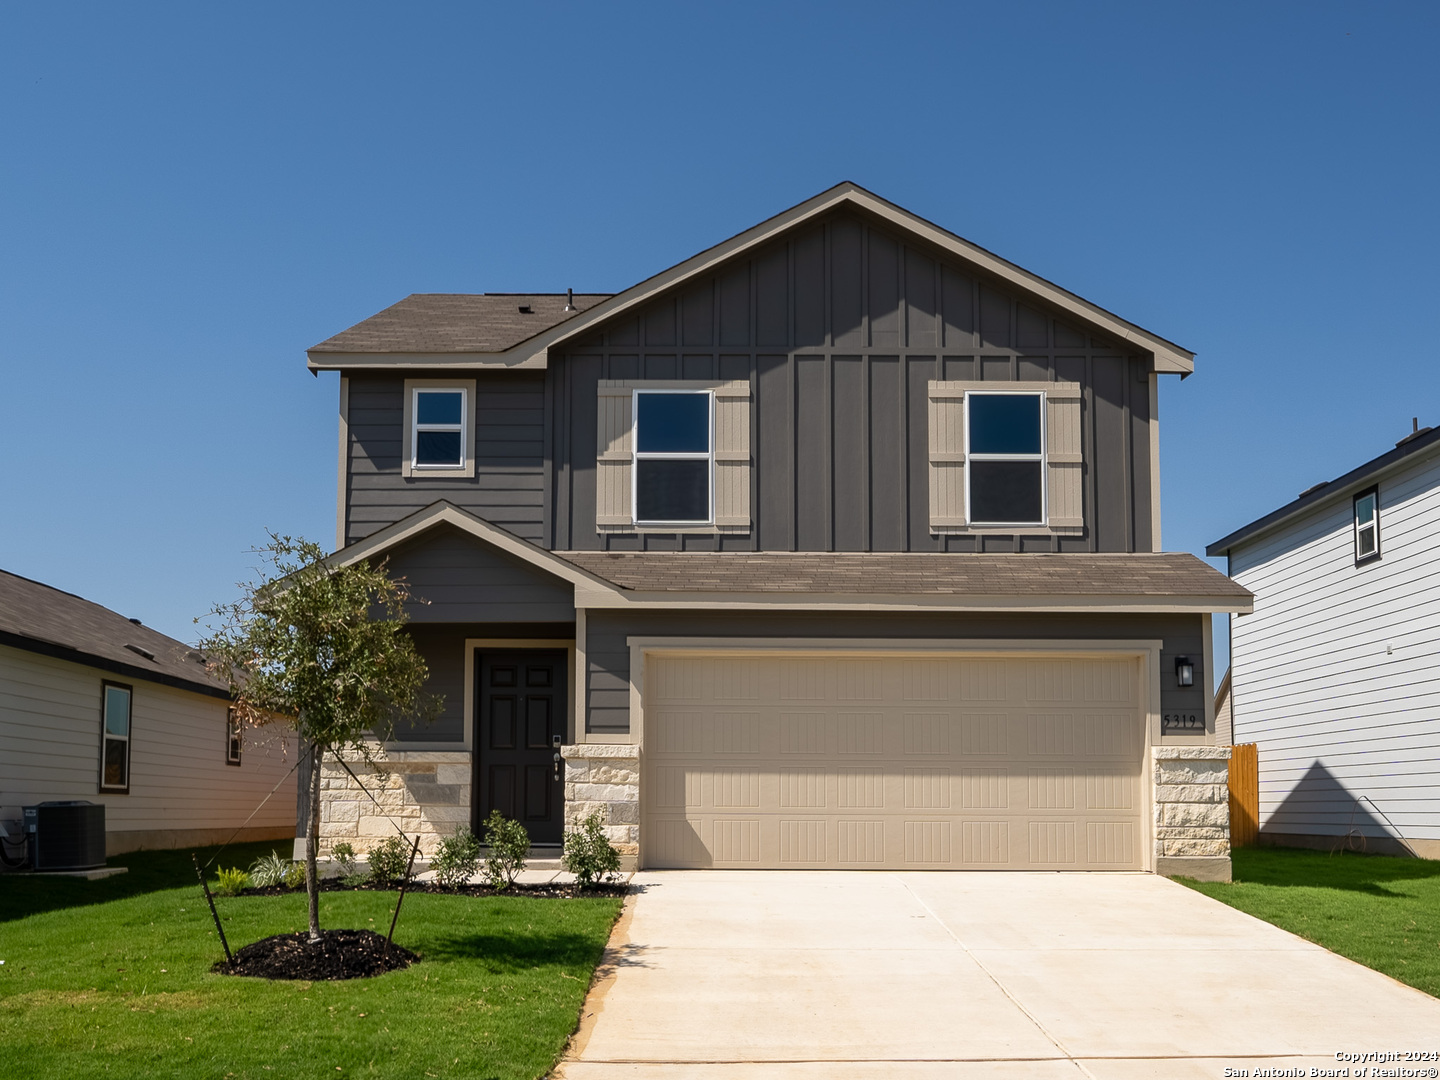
(1184, 671)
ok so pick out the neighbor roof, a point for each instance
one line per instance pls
(1107, 576)
(1340, 487)
(42, 619)
(457, 323)
(531, 351)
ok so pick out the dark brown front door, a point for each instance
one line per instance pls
(520, 726)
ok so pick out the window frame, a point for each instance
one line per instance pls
(636, 456)
(416, 427)
(106, 738)
(234, 743)
(1041, 458)
(1373, 491)
(409, 416)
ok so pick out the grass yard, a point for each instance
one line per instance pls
(1379, 910)
(112, 978)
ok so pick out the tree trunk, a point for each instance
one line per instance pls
(312, 876)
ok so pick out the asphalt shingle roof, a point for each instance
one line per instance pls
(43, 619)
(1115, 576)
(457, 323)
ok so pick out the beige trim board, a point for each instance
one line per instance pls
(533, 352)
(343, 471)
(1155, 462)
(461, 361)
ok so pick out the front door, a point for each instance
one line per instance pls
(519, 728)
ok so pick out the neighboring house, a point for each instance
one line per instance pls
(1224, 727)
(94, 706)
(1334, 673)
(835, 545)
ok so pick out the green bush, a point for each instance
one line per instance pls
(232, 881)
(270, 871)
(456, 858)
(509, 846)
(345, 856)
(589, 855)
(388, 860)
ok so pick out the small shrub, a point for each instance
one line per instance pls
(509, 845)
(456, 858)
(294, 876)
(270, 871)
(589, 855)
(388, 860)
(232, 881)
(345, 856)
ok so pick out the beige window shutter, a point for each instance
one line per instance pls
(1063, 458)
(732, 455)
(614, 454)
(947, 455)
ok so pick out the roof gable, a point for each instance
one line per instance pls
(532, 352)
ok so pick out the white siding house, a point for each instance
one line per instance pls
(1336, 674)
(173, 778)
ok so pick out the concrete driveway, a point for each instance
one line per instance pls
(723, 974)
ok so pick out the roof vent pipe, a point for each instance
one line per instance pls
(569, 299)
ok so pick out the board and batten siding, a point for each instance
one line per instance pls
(508, 486)
(840, 329)
(181, 789)
(1336, 674)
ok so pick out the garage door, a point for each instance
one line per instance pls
(892, 762)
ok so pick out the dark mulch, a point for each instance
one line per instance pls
(558, 891)
(340, 954)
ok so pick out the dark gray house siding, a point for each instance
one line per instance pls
(839, 328)
(508, 486)
(608, 653)
(454, 578)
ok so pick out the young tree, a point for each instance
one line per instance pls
(322, 648)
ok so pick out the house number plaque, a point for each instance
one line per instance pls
(1182, 723)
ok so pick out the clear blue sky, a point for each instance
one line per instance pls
(191, 195)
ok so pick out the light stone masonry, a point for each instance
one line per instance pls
(1192, 811)
(605, 778)
(426, 793)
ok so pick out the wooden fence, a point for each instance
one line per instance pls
(1244, 794)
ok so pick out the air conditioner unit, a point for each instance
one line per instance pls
(66, 835)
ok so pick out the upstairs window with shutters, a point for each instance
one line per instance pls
(673, 455)
(1005, 457)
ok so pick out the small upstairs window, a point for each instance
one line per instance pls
(438, 439)
(115, 738)
(674, 455)
(1367, 526)
(1005, 458)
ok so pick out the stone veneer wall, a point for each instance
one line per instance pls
(1192, 811)
(426, 792)
(606, 777)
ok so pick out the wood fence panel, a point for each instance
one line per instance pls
(1244, 794)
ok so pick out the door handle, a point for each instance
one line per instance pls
(557, 765)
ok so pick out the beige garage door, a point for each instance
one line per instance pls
(892, 762)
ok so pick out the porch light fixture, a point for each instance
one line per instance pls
(1184, 671)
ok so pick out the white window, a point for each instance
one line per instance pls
(1367, 526)
(115, 738)
(674, 457)
(232, 738)
(438, 440)
(1005, 458)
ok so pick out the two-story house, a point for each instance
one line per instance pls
(835, 545)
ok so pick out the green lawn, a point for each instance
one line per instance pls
(112, 978)
(1381, 911)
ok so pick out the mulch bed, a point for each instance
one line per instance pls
(556, 891)
(340, 954)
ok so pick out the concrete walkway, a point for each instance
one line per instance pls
(726, 974)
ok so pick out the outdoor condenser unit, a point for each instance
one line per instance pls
(66, 835)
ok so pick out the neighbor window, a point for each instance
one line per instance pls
(115, 738)
(674, 442)
(1367, 526)
(438, 439)
(232, 738)
(1005, 458)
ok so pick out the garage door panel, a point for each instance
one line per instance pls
(892, 762)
